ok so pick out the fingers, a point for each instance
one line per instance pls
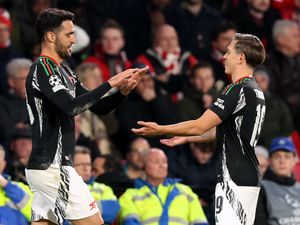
(142, 123)
(168, 142)
(140, 131)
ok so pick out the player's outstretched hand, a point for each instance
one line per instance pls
(129, 84)
(148, 129)
(140, 73)
(118, 80)
(174, 141)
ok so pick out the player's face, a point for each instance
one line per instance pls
(112, 41)
(156, 165)
(65, 38)
(231, 58)
(282, 163)
(83, 165)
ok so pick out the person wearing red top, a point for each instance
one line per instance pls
(109, 54)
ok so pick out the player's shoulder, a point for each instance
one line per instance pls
(231, 88)
(47, 65)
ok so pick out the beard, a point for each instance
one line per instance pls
(61, 50)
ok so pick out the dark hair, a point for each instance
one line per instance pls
(205, 146)
(111, 163)
(50, 19)
(112, 24)
(223, 27)
(200, 65)
(251, 47)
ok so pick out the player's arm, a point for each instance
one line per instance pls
(109, 103)
(208, 136)
(53, 88)
(199, 126)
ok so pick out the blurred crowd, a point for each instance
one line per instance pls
(183, 43)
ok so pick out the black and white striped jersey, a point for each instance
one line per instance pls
(54, 96)
(241, 107)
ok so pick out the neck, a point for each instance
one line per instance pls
(241, 72)
(256, 13)
(47, 51)
(154, 181)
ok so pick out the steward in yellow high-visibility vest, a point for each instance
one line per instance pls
(158, 200)
(106, 201)
(15, 202)
(15, 198)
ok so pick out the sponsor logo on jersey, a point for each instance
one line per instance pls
(219, 103)
(93, 205)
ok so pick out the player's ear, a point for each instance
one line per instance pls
(242, 58)
(50, 36)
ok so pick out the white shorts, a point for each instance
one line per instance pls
(59, 193)
(235, 205)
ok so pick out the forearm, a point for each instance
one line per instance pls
(107, 104)
(208, 136)
(74, 106)
(187, 128)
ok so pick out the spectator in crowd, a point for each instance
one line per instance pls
(97, 127)
(109, 54)
(141, 17)
(279, 198)
(158, 199)
(200, 173)
(166, 60)
(13, 112)
(107, 169)
(134, 166)
(256, 18)
(262, 155)
(289, 9)
(7, 51)
(284, 63)
(278, 119)
(199, 93)
(103, 194)
(221, 37)
(20, 148)
(15, 198)
(202, 19)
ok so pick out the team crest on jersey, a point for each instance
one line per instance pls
(55, 80)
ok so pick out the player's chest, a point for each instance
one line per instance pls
(68, 80)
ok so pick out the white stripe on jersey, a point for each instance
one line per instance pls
(35, 83)
(38, 105)
(58, 154)
(242, 101)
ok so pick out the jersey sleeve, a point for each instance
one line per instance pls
(51, 85)
(226, 102)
